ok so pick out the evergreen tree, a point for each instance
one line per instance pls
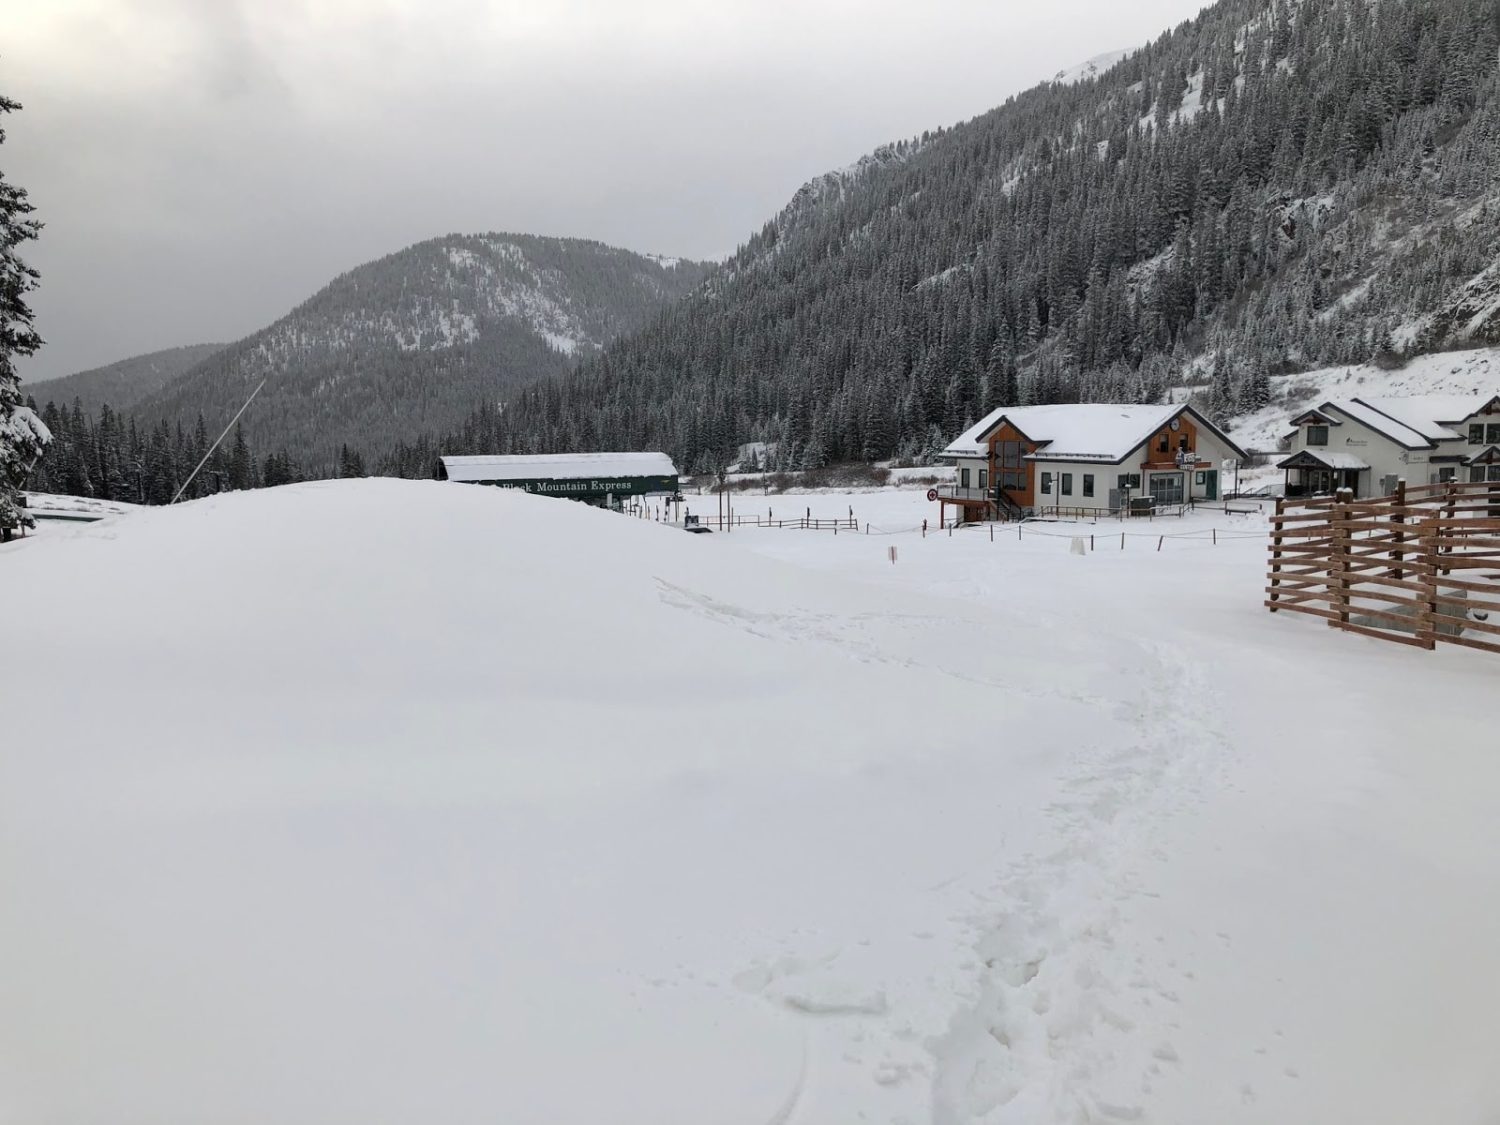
(241, 464)
(23, 436)
(351, 463)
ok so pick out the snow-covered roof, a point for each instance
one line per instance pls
(1427, 413)
(1368, 416)
(1078, 431)
(1330, 459)
(559, 466)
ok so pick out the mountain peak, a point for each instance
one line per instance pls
(1090, 68)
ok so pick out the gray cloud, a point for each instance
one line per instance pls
(202, 165)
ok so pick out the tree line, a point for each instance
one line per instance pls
(109, 457)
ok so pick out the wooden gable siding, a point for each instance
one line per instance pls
(1155, 458)
(1008, 432)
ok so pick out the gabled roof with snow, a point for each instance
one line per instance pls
(1427, 413)
(559, 466)
(1081, 431)
(1373, 419)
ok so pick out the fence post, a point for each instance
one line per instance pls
(1341, 541)
(1398, 536)
(1429, 537)
(1278, 525)
(1448, 512)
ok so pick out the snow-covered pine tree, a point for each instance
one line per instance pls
(23, 436)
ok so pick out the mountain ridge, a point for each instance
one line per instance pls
(413, 339)
(123, 383)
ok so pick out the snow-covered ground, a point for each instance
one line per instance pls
(46, 502)
(388, 801)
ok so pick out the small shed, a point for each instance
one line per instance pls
(594, 478)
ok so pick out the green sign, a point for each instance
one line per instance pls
(589, 488)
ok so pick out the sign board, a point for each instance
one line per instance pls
(932, 494)
(585, 488)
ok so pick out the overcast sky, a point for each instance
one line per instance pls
(203, 165)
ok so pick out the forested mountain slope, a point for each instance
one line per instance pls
(121, 384)
(1274, 186)
(416, 339)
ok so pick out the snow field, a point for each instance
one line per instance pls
(389, 801)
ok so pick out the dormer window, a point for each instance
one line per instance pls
(1317, 435)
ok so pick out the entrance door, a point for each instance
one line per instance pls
(1166, 488)
(1211, 484)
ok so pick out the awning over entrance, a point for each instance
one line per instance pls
(1323, 459)
(1322, 472)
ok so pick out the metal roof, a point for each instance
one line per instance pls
(558, 466)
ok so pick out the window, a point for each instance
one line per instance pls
(1009, 454)
(1067, 483)
(1476, 433)
(1088, 484)
(1492, 434)
(1476, 474)
(1445, 475)
(1131, 481)
(1046, 484)
(984, 479)
(1317, 435)
(1164, 442)
(963, 478)
(1166, 488)
(1013, 482)
(1494, 474)
(1200, 478)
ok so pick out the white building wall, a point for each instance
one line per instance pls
(1388, 460)
(972, 466)
(1103, 475)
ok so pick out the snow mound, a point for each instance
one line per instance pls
(382, 801)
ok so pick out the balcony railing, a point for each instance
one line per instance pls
(955, 492)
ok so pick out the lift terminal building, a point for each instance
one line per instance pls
(601, 479)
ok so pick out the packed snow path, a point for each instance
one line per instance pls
(513, 810)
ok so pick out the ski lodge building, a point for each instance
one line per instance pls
(1368, 444)
(601, 479)
(1084, 459)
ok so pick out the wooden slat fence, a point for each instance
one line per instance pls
(1419, 567)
